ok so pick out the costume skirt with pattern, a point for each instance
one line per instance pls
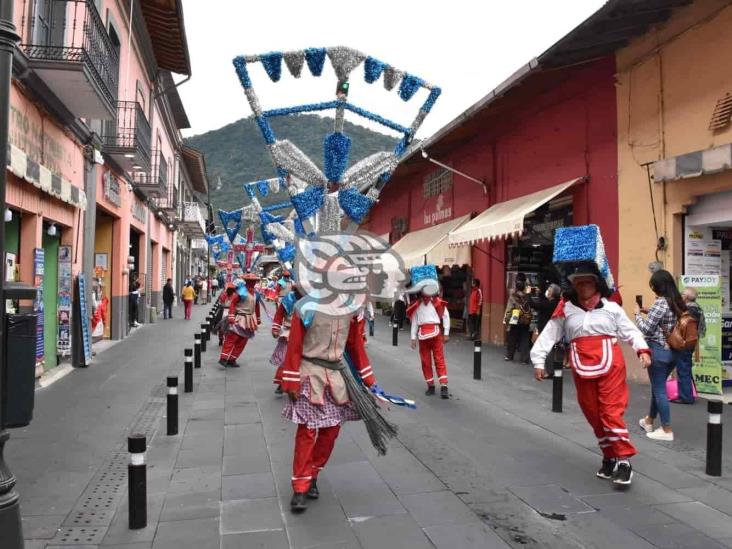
(278, 355)
(317, 416)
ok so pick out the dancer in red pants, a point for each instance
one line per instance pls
(430, 326)
(281, 331)
(243, 320)
(593, 325)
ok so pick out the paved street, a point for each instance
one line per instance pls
(490, 468)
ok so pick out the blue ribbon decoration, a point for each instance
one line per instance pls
(266, 129)
(409, 86)
(299, 229)
(315, 58)
(240, 64)
(263, 187)
(249, 189)
(375, 389)
(354, 204)
(308, 202)
(272, 63)
(372, 69)
(287, 254)
(430, 102)
(336, 149)
(231, 217)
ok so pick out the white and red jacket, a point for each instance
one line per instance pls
(427, 318)
(593, 337)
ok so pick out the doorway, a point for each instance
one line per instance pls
(50, 297)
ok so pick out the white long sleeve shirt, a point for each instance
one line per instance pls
(608, 320)
(427, 314)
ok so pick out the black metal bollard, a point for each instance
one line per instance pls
(172, 405)
(188, 371)
(204, 338)
(395, 335)
(197, 350)
(211, 323)
(714, 438)
(557, 388)
(477, 359)
(137, 482)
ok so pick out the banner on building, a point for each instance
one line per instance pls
(39, 268)
(707, 370)
(63, 345)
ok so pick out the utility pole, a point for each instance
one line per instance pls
(11, 531)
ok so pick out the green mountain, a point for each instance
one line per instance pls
(237, 154)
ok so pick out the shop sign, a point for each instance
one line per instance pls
(39, 267)
(63, 342)
(139, 211)
(112, 189)
(438, 211)
(707, 370)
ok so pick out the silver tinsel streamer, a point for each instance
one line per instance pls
(344, 60)
(289, 225)
(249, 213)
(340, 115)
(294, 61)
(392, 77)
(253, 101)
(297, 163)
(281, 232)
(373, 194)
(274, 184)
(368, 170)
(421, 115)
(330, 214)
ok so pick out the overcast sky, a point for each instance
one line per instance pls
(467, 47)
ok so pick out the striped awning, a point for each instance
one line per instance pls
(430, 246)
(41, 177)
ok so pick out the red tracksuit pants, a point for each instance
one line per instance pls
(278, 376)
(429, 349)
(603, 400)
(312, 450)
(233, 346)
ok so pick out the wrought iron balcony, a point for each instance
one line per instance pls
(153, 182)
(127, 138)
(72, 52)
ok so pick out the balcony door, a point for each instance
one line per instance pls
(49, 23)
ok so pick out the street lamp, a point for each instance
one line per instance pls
(11, 531)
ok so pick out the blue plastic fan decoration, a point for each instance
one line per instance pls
(231, 222)
(336, 147)
(409, 86)
(372, 69)
(354, 204)
(315, 58)
(263, 187)
(272, 63)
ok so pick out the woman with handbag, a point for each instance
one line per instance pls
(659, 322)
(517, 318)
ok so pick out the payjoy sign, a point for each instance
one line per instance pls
(440, 213)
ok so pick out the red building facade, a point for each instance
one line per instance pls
(541, 128)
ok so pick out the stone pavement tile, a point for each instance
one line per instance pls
(202, 440)
(464, 536)
(713, 496)
(199, 457)
(41, 526)
(191, 505)
(202, 533)
(726, 542)
(195, 426)
(361, 491)
(668, 475)
(250, 515)
(37, 544)
(242, 414)
(346, 451)
(713, 523)
(195, 479)
(212, 404)
(550, 499)
(392, 531)
(631, 516)
(251, 486)
(319, 526)
(681, 536)
(241, 465)
(405, 474)
(143, 545)
(206, 415)
(274, 539)
(119, 531)
(645, 491)
(435, 508)
(596, 531)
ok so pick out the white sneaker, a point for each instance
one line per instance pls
(660, 434)
(648, 428)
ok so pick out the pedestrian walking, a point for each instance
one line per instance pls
(545, 305)
(188, 295)
(684, 377)
(221, 321)
(475, 308)
(214, 286)
(196, 288)
(430, 322)
(399, 311)
(243, 320)
(517, 320)
(168, 298)
(593, 325)
(656, 326)
(134, 301)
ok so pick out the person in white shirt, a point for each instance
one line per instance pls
(430, 322)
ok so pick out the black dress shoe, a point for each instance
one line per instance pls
(278, 390)
(233, 364)
(430, 390)
(313, 492)
(223, 362)
(298, 503)
(443, 392)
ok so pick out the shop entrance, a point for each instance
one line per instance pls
(50, 297)
(102, 286)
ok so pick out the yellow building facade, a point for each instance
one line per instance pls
(674, 100)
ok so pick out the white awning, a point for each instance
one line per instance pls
(430, 245)
(505, 218)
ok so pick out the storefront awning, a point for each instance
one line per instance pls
(430, 245)
(505, 218)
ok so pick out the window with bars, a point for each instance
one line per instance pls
(437, 182)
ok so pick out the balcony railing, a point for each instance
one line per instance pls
(154, 181)
(127, 138)
(192, 219)
(68, 35)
